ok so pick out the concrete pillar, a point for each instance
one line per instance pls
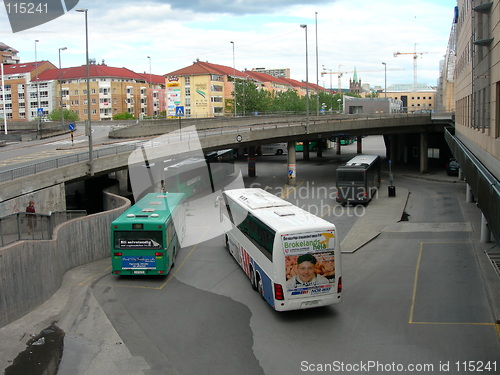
(469, 198)
(337, 146)
(251, 162)
(292, 166)
(319, 148)
(122, 177)
(485, 231)
(359, 144)
(305, 150)
(424, 144)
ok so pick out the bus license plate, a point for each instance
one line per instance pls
(310, 303)
(139, 272)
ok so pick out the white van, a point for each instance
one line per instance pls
(274, 149)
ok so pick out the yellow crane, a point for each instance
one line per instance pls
(415, 57)
(340, 74)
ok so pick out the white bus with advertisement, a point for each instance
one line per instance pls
(274, 149)
(291, 257)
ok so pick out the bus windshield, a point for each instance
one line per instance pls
(356, 176)
(140, 240)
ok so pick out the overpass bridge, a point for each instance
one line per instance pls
(179, 136)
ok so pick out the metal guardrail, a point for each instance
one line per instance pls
(28, 226)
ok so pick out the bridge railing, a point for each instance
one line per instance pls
(29, 226)
(213, 130)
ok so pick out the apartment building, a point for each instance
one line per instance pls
(202, 88)
(278, 73)
(25, 92)
(112, 91)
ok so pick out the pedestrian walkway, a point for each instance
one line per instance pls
(381, 212)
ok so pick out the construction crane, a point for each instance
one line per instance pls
(340, 74)
(415, 57)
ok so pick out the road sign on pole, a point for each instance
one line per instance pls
(179, 111)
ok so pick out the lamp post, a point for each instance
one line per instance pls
(331, 87)
(150, 94)
(60, 85)
(234, 80)
(150, 79)
(307, 83)
(3, 98)
(317, 67)
(385, 79)
(89, 118)
(37, 90)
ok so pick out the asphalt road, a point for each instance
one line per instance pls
(414, 299)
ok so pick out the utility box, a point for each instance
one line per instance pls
(392, 191)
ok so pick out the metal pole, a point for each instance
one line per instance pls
(385, 79)
(150, 90)
(37, 90)
(89, 117)
(317, 68)
(307, 83)
(234, 80)
(60, 86)
(3, 97)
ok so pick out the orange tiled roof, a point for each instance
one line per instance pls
(201, 67)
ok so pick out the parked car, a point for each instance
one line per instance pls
(452, 167)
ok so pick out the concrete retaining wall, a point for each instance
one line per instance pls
(32, 271)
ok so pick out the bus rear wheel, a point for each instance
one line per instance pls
(253, 281)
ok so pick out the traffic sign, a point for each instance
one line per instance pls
(39, 112)
(179, 110)
(71, 127)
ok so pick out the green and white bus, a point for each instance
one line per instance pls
(146, 238)
(197, 174)
(291, 256)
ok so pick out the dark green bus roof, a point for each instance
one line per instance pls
(153, 208)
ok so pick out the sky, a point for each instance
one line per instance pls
(342, 35)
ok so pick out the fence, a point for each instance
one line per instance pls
(28, 226)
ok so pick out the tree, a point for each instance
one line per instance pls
(55, 115)
(124, 116)
(250, 98)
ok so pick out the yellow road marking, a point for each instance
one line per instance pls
(414, 295)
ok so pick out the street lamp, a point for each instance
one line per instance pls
(37, 90)
(3, 97)
(89, 118)
(150, 79)
(307, 83)
(385, 79)
(234, 80)
(317, 68)
(340, 102)
(60, 85)
(331, 85)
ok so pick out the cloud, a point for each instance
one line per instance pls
(239, 7)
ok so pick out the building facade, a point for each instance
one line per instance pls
(475, 139)
(25, 92)
(419, 98)
(31, 86)
(203, 89)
